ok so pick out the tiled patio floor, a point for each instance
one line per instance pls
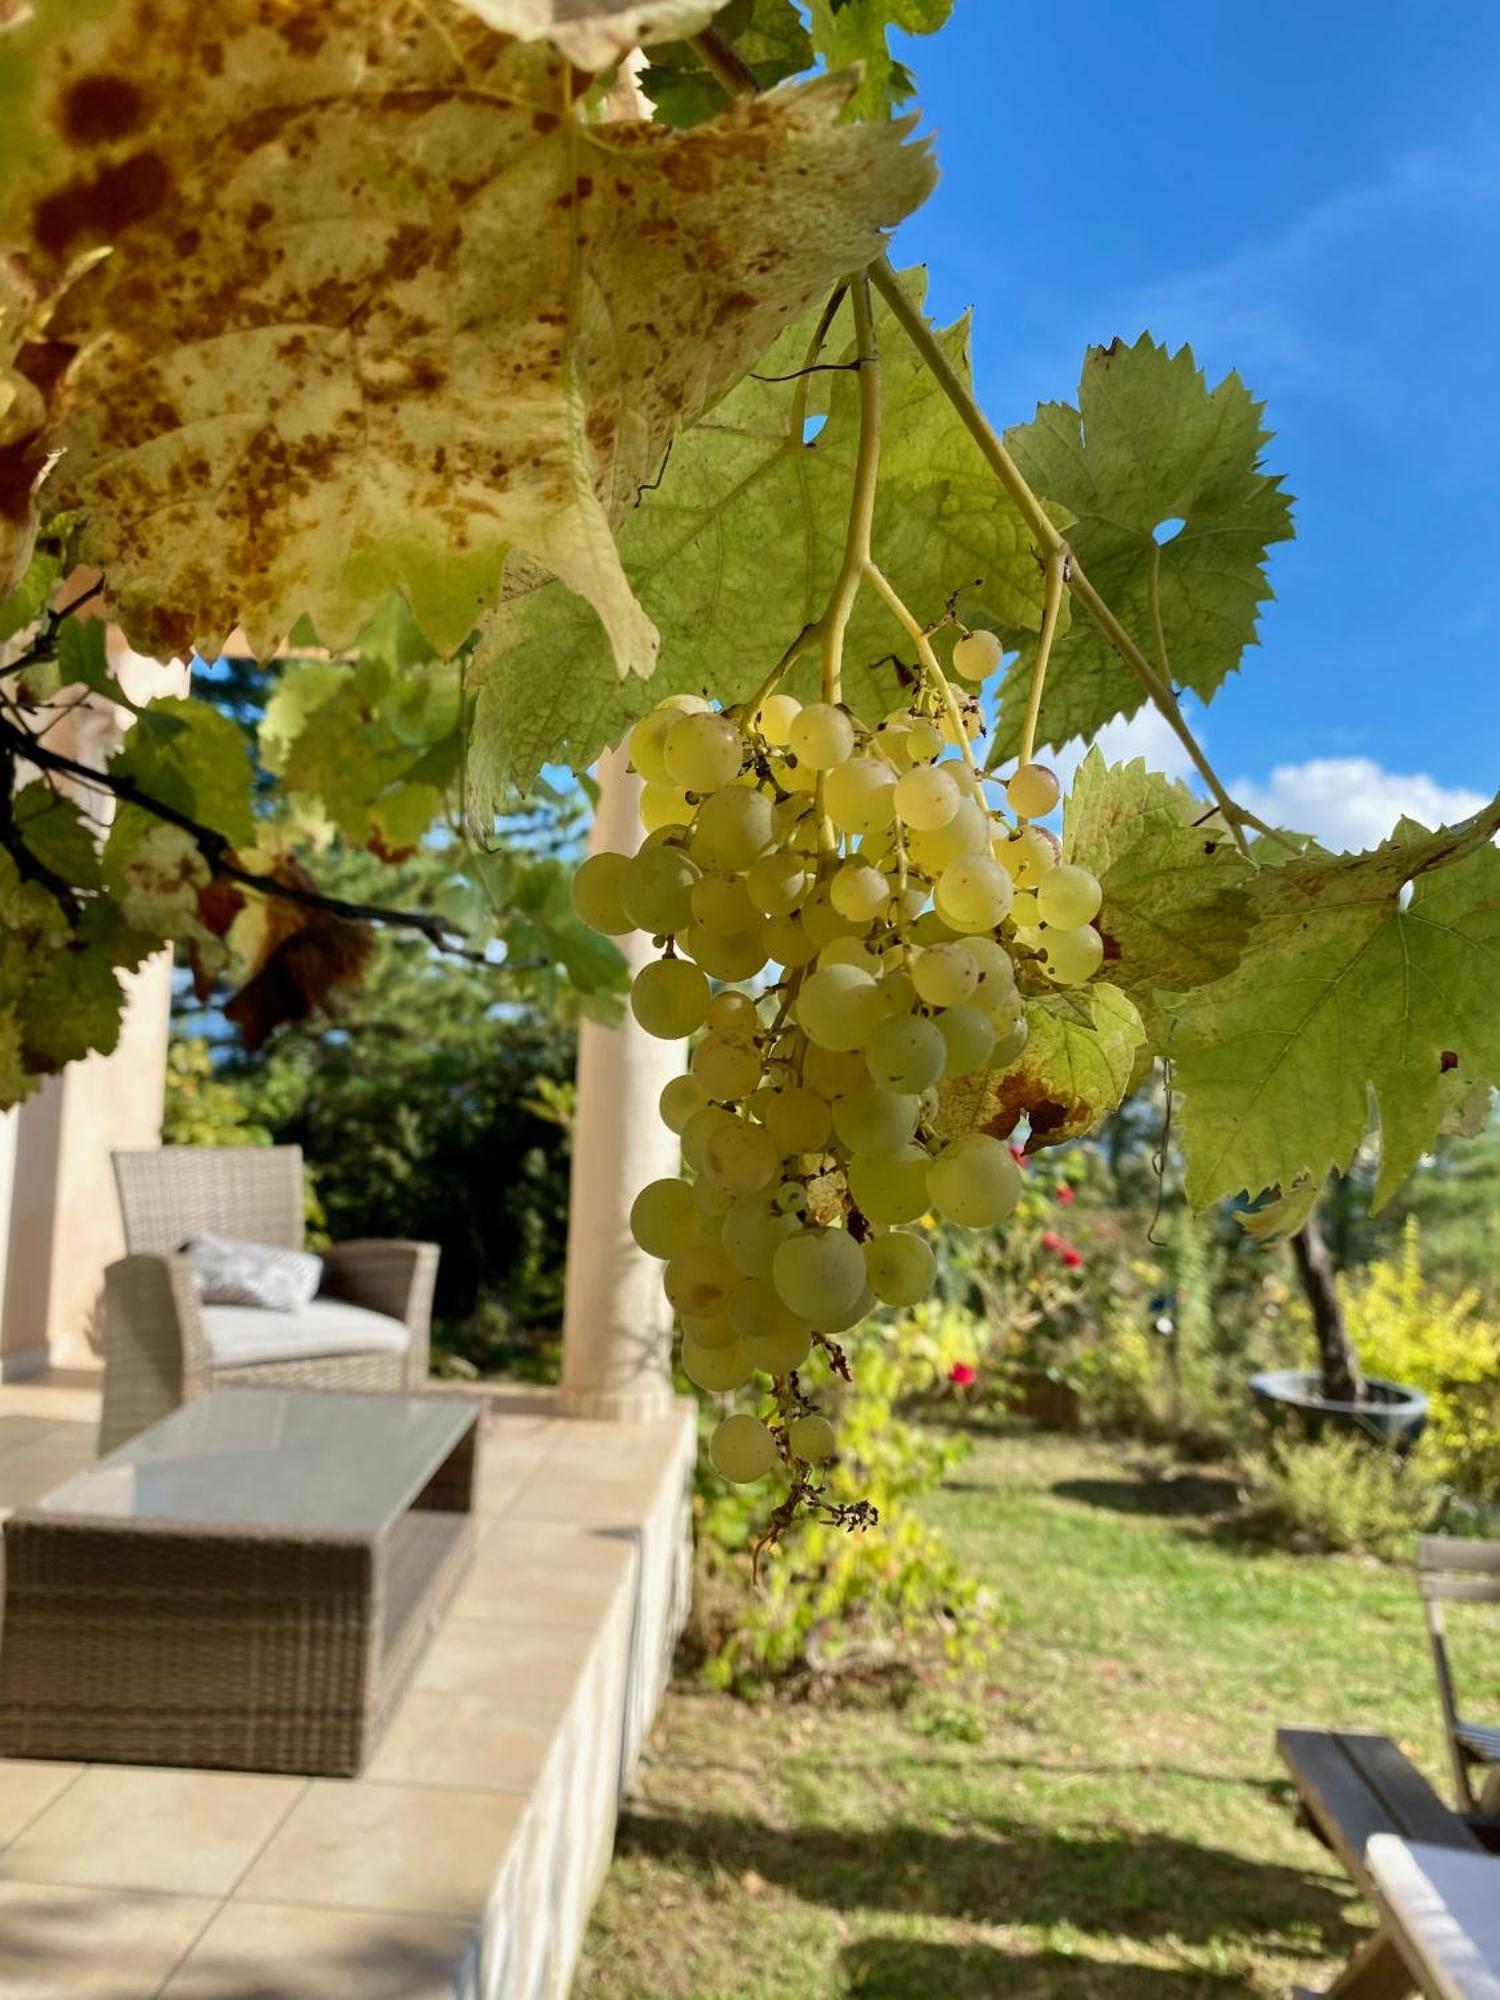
(465, 1860)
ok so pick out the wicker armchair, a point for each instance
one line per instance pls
(158, 1353)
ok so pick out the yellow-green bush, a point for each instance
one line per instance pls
(1439, 1341)
(830, 1600)
(1341, 1494)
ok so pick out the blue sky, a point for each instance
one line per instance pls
(1309, 193)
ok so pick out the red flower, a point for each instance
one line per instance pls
(1072, 1258)
(961, 1374)
(1065, 1195)
(1018, 1154)
(1051, 1240)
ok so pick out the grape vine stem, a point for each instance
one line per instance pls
(834, 622)
(1057, 569)
(909, 624)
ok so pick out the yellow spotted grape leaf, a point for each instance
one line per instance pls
(735, 551)
(1350, 993)
(856, 31)
(28, 388)
(381, 306)
(1177, 906)
(1150, 446)
(1078, 1063)
(595, 33)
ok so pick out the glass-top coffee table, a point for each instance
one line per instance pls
(250, 1583)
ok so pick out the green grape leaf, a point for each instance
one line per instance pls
(188, 755)
(855, 31)
(1077, 1066)
(1150, 444)
(381, 305)
(70, 1009)
(1349, 990)
(768, 37)
(1275, 1220)
(1177, 905)
(15, 1080)
(595, 34)
(52, 827)
(736, 549)
(28, 599)
(371, 746)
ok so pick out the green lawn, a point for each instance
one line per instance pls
(1121, 1828)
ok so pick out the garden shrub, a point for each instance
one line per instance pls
(1341, 1494)
(892, 1602)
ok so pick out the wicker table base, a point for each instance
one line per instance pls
(273, 1628)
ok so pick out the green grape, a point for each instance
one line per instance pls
(923, 739)
(890, 1187)
(850, 951)
(968, 1037)
(859, 892)
(663, 1219)
(595, 894)
(838, 1007)
(656, 889)
(799, 779)
(679, 1100)
(899, 1267)
(997, 973)
(716, 1369)
(971, 719)
(1010, 1039)
(1027, 854)
(968, 832)
(783, 1347)
(859, 797)
(727, 1065)
(1068, 897)
(821, 736)
(663, 806)
(704, 752)
(712, 1334)
(945, 975)
(927, 798)
(742, 1449)
(732, 828)
(898, 992)
(876, 1121)
(819, 1273)
(822, 922)
(648, 744)
(907, 904)
(777, 882)
(1071, 957)
(726, 954)
(754, 1309)
(905, 1054)
(1024, 913)
(973, 893)
(734, 1010)
(930, 929)
(798, 1119)
(833, 1073)
(740, 1156)
(713, 1201)
(857, 1309)
(891, 740)
(775, 717)
(752, 1229)
(810, 1438)
(1033, 791)
(791, 1198)
(977, 655)
(669, 998)
(975, 1182)
(695, 1134)
(788, 944)
(699, 1279)
(722, 903)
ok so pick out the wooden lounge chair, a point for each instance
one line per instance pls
(367, 1329)
(1450, 1569)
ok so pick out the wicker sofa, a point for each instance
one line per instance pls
(367, 1329)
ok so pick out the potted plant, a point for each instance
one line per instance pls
(1337, 1395)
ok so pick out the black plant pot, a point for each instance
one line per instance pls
(1291, 1399)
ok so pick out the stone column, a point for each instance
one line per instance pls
(616, 1322)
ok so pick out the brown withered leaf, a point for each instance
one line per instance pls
(382, 306)
(295, 955)
(1075, 1069)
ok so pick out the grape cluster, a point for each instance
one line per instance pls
(882, 907)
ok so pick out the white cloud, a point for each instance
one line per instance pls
(1146, 734)
(1350, 803)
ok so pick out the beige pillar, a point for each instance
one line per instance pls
(61, 1223)
(616, 1322)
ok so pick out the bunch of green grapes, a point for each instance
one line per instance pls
(879, 904)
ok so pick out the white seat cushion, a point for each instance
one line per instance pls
(239, 1336)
